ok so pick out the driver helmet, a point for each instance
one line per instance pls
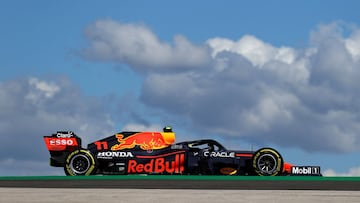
(167, 129)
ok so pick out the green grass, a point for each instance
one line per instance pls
(183, 177)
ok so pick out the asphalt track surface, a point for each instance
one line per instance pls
(174, 189)
(61, 195)
(186, 182)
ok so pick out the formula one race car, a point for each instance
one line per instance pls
(156, 153)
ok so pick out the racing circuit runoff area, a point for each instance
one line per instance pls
(160, 188)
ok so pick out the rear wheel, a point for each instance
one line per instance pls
(80, 162)
(267, 162)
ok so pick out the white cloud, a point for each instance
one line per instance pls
(255, 50)
(248, 88)
(141, 128)
(352, 172)
(270, 109)
(138, 46)
(48, 89)
(353, 45)
(32, 107)
(16, 167)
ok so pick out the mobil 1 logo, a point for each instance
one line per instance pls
(306, 170)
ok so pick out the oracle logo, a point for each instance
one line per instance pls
(219, 154)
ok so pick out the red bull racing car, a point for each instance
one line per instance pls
(157, 153)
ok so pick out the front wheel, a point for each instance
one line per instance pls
(267, 162)
(80, 163)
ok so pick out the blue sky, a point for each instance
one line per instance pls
(262, 73)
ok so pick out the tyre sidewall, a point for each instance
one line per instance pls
(275, 154)
(81, 152)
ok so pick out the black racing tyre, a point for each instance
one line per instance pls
(267, 162)
(80, 163)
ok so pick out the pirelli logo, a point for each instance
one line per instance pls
(305, 170)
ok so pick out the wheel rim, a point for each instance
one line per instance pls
(80, 164)
(267, 164)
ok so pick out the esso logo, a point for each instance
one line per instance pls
(62, 142)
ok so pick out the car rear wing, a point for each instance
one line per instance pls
(60, 144)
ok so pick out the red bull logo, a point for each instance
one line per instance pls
(145, 140)
(158, 165)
